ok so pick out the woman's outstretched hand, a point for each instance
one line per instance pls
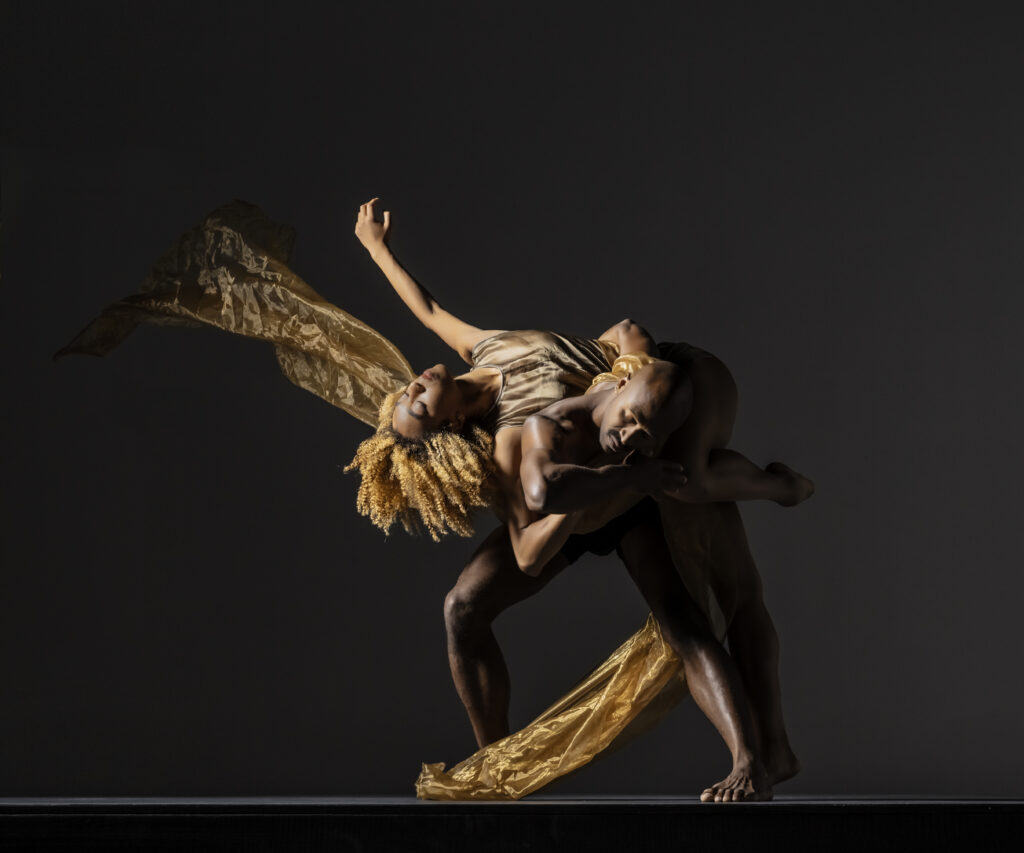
(371, 233)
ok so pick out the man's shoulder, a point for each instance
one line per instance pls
(556, 418)
(561, 410)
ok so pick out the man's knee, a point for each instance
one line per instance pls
(674, 607)
(692, 638)
(461, 611)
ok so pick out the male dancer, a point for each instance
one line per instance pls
(639, 417)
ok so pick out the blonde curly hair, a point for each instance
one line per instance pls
(433, 484)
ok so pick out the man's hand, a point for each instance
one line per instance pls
(657, 476)
(372, 234)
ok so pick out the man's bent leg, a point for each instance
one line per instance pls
(490, 583)
(712, 677)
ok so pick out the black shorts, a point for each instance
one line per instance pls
(607, 539)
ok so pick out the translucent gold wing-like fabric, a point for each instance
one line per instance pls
(231, 271)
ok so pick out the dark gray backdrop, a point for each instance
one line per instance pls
(830, 200)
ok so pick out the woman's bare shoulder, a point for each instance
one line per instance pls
(469, 344)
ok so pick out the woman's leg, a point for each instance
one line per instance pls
(713, 680)
(715, 474)
(489, 584)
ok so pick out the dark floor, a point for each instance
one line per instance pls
(537, 823)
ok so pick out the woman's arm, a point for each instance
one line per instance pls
(458, 334)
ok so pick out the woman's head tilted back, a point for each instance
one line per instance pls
(432, 401)
(425, 467)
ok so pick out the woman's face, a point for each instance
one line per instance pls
(430, 401)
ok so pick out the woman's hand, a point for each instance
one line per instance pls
(371, 233)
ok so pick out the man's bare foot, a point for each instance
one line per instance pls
(742, 785)
(800, 487)
(782, 766)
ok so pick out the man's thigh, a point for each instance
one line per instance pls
(492, 580)
(646, 555)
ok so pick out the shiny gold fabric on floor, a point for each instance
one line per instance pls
(231, 271)
(569, 733)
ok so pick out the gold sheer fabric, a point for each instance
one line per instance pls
(572, 731)
(231, 272)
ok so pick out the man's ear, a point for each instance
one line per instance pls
(621, 384)
(458, 421)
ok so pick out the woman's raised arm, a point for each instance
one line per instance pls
(458, 334)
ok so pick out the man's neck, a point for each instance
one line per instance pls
(598, 402)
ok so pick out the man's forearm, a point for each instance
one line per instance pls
(537, 543)
(572, 487)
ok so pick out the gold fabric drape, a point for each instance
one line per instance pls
(571, 732)
(231, 272)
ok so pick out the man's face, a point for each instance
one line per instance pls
(641, 416)
(428, 403)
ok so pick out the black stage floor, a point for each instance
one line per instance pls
(621, 824)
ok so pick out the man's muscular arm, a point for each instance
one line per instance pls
(536, 542)
(535, 539)
(551, 484)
